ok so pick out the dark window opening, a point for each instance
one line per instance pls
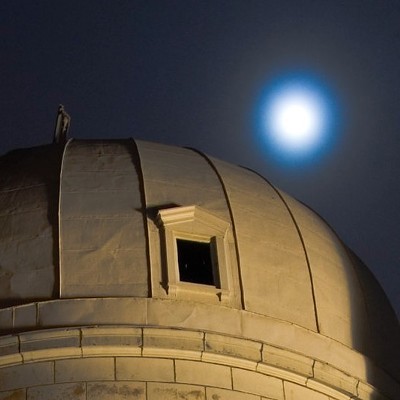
(194, 259)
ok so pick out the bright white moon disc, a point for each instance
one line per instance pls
(295, 118)
(298, 119)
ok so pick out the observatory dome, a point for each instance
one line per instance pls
(148, 271)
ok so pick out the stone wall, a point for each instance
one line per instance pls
(163, 363)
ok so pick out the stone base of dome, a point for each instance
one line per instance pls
(143, 362)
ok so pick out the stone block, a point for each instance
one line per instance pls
(116, 391)
(6, 320)
(345, 359)
(144, 369)
(19, 394)
(287, 360)
(189, 344)
(281, 373)
(64, 391)
(331, 376)
(367, 392)
(52, 354)
(25, 316)
(50, 344)
(215, 358)
(277, 332)
(194, 316)
(22, 376)
(234, 347)
(331, 392)
(296, 392)
(111, 340)
(8, 345)
(256, 383)
(174, 391)
(48, 339)
(84, 369)
(203, 374)
(224, 394)
(100, 311)
(11, 359)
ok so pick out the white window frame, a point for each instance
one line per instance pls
(198, 225)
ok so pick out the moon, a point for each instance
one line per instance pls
(296, 118)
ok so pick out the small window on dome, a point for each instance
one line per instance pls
(195, 262)
(195, 257)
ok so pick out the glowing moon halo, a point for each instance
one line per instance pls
(296, 118)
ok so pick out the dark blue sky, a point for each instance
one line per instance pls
(190, 72)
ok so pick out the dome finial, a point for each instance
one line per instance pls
(63, 122)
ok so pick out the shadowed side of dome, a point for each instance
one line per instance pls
(351, 306)
(382, 334)
(29, 181)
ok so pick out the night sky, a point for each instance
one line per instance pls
(190, 73)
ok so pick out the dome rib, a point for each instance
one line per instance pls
(215, 169)
(138, 165)
(301, 240)
(57, 283)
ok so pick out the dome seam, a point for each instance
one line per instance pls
(301, 241)
(57, 284)
(138, 166)
(306, 256)
(228, 203)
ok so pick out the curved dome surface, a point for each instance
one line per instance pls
(84, 222)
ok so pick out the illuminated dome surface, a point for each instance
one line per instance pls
(89, 244)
